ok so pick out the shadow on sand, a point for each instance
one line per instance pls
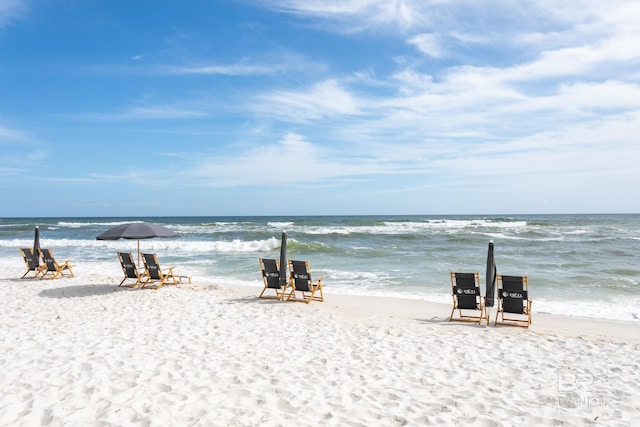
(253, 300)
(79, 291)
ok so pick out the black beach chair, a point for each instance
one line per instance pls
(130, 270)
(53, 267)
(301, 281)
(465, 289)
(271, 277)
(155, 274)
(513, 299)
(30, 261)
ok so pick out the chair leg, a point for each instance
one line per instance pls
(263, 291)
(308, 300)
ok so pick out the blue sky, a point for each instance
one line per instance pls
(308, 107)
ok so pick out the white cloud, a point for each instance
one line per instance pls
(580, 61)
(151, 112)
(293, 160)
(227, 70)
(547, 101)
(354, 15)
(278, 64)
(324, 99)
(592, 97)
(274, 64)
(565, 165)
(427, 44)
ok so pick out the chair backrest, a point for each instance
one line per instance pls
(152, 266)
(48, 259)
(301, 275)
(514, 293)
(466, 288)
(270, 272)
(128, 265)
(30, 260)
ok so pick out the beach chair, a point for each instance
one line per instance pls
(52, 266)
(157, 277)
(513, 300)
(465, 289)
(300, 281)
(271, 277)
(30, 262)
(130, 270)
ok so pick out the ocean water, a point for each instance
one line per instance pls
(578, 265)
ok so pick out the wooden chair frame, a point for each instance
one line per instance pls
(130, 270)
(459, 289)
(155, 274)
(27, 256)
(300, 281)
(270, 269)
(524, 317)
(52, 266)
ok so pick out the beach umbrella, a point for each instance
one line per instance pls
(283, 260)
(35, 260)
(491, 277)
(137, 231)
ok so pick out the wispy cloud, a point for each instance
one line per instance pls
(192, 64)
(440, 27)
(9, 135)
(226, 70)
(12, 10)
(573, 95)
(277, 63)
(580, 61)
(526, 96)
(292, 160)
(195, 67)
(427, 44)
(20, 151)
(149, 112)
(324, 99)
(352, 15)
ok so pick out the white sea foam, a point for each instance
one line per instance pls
(280, 225)
(82, 224)
(365, 280)
(236, 245)
(503, 236)
(413, 227)
(626, 309)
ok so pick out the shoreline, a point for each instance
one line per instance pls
(83, 351)
(428, 311)
(423, 310)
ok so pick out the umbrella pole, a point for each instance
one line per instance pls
(36, 248)
(138, 252)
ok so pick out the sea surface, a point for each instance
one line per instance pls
(578, 265)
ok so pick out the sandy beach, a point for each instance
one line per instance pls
(81, 351)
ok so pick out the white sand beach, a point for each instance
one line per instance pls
(81, 351)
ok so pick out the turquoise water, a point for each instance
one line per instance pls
(584, 265)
